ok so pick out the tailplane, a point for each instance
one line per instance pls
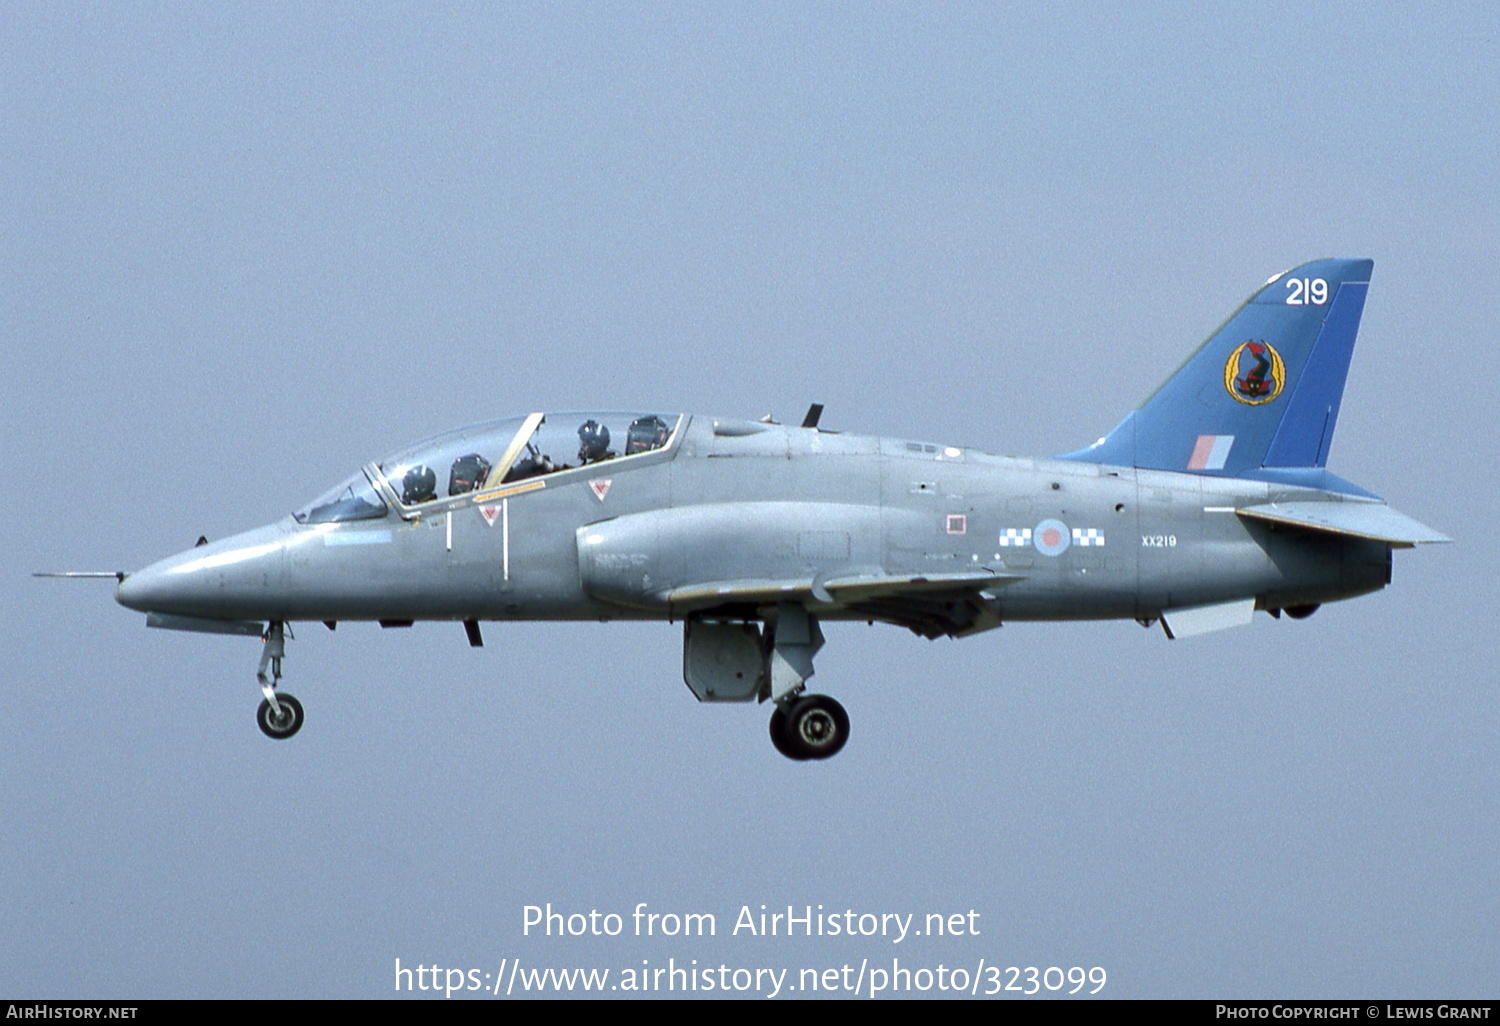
(1263, 391)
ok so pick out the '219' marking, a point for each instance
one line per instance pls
(1158, 541)
(1306, 292)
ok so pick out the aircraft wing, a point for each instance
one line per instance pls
(932, 605)
(696, 597)
(1373, 520)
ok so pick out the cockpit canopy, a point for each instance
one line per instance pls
(485, 457)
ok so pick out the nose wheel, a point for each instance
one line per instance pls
(279, 715)
(282, 721)
(810, 727)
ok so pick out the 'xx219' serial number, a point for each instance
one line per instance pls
(1158, 541)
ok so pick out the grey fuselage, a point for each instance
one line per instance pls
(737, 502)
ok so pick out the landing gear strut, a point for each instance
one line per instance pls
(279, 715)
(802, 726)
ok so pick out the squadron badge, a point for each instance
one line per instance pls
(1254, 373)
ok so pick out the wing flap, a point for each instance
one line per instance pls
(1372, 520)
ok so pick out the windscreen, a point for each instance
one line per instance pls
(354, 499)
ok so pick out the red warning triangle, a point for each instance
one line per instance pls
(489, 513)
(600, 486)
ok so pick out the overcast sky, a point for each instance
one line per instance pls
(245, 249)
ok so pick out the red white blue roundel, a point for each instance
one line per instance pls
(1051, 537)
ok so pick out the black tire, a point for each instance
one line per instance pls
(779, 736)
(817, 727)
(289, 722)
(1302, 612)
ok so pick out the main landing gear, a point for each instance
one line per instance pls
(803, 726)
(733, 661)
(809, 727)
(279, 715)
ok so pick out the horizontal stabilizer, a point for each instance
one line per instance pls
(1373, 520)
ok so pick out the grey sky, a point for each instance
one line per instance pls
(244, 250)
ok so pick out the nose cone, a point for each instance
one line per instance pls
(239, 577)
(143, 590)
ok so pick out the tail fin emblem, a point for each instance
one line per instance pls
(1254, 373)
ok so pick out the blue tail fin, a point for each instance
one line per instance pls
(1263, 391)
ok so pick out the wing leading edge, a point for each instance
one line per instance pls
(933, 605)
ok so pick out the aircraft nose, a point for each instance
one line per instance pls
(234, 578)
(141, 589)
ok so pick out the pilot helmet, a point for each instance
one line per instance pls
(593, 441)
(467, 474)
(419, 485)
(645, 434)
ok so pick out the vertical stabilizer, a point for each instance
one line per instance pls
(1263, 391)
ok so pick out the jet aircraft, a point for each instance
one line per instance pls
(1209, 501)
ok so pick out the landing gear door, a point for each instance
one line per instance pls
(722, 662)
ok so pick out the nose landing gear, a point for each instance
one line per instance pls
(279, 715)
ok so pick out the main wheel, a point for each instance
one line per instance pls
(816, 728)
(1302, 612)
(779, 735)
(285, 725)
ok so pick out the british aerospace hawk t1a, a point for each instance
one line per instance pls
(1206, 503)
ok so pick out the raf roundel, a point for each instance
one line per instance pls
(1051, 537)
